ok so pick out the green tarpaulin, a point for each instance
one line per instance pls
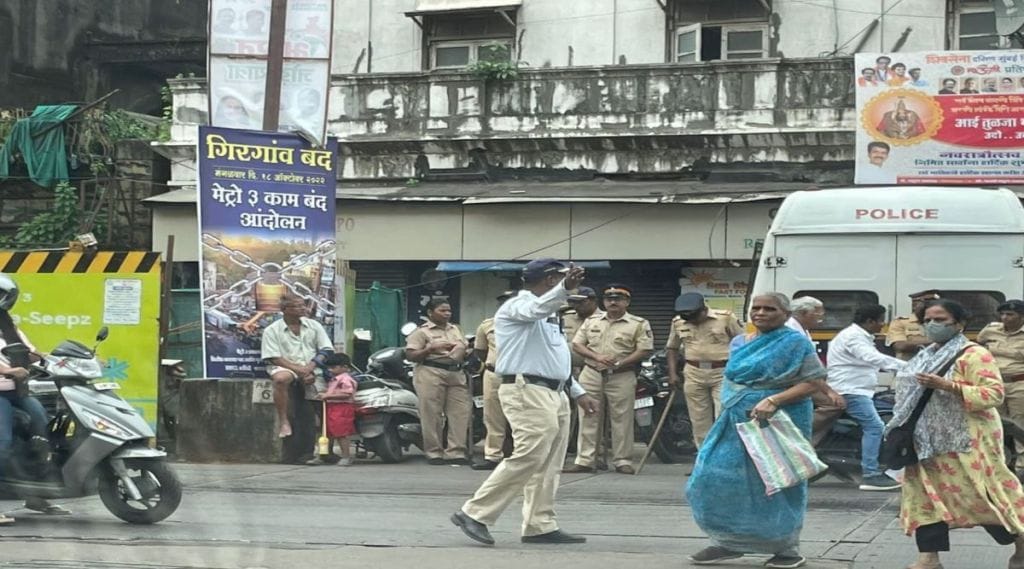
(45, 155)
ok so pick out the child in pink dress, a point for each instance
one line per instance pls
(341, 407)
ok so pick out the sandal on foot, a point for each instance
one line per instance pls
(786, 561)
(44, 507)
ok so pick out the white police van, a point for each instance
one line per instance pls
(849, 247)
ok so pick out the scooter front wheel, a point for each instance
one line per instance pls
(160, 489)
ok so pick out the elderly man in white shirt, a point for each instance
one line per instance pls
(535, 364)
(808, 313)
(853, 366)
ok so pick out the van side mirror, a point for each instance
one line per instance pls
(102, 334)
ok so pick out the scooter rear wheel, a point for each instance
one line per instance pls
(160, 488)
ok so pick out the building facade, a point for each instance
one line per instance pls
(650, 138)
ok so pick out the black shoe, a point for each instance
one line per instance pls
(485, 465)
(459, 462)
(557, 536)
(713, 554)
(436, 462)
(473, 529)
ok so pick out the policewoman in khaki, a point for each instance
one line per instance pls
(702, 336)
(1005, 339)
(612, 344)
(439, 349)
(486, 347)
(905, 334)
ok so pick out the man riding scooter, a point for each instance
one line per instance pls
(14, 394)
(853, 365)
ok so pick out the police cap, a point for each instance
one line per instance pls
(690, 302)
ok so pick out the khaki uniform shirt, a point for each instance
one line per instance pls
(485, 339)
(707, 341)
(618, 338)
(571, 323)
(902, 330)
(1008, 348)
(428, 333)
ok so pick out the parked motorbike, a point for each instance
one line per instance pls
(387, 417)
(840, 449)
(675, 443)
(96, 441)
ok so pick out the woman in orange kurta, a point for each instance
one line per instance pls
(962, 479)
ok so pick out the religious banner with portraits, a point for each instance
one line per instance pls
(266, 223)
(239, 40)
(940, 118)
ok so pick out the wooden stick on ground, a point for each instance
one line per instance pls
(657, 430)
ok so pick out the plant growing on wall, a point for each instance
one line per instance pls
(495, 64)
(60, 224)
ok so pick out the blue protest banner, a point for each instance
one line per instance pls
(266, 223)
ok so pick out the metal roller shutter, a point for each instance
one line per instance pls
(655, 287)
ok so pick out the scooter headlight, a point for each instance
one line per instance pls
(102, 425)
(89, 369)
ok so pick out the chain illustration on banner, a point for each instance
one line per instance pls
(270, 274)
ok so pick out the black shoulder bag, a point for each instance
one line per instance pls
(897, 449)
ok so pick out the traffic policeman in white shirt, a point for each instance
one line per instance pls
(853, 366)
(535, 365)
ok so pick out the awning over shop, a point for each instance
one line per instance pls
(426, 7)
(502, 266)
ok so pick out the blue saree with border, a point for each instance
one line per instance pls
(725, 491)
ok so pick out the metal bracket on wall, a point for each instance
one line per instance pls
(664, 5)
(504, 14)
(418, 20)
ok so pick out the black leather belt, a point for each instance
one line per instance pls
(552, 384)
(446, 367)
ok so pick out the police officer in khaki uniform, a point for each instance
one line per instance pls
(486, 349)
(1005, 339)
(439, 350)
(905, 335)
(612, 344)
(702, 336)
(582, 305)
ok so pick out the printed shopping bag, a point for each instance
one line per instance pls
(780, 452)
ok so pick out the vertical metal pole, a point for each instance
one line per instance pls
(275, 65)
(166, 282)
(369, 36)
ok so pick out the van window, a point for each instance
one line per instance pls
(980, 304)
(840, 305)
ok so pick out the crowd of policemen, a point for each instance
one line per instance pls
(608, 344)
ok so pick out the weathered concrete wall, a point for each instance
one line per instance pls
(396, 39)
(73, 49)
(615, 120)
(557, 33)
(597, 32)
(812, 29)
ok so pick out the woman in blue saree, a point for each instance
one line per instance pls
(777, 369)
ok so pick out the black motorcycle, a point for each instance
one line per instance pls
(840, 449)
(675, 443)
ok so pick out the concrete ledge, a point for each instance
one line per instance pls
(219, 422)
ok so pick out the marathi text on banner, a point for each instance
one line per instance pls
(267, 230)
(940, 118)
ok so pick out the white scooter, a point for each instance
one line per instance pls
(97, 441)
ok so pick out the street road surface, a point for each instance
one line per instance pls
(376, 515)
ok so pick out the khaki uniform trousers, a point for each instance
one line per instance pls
(702, 388)
(442, 395)
(494, 418)
(539, 418)
(617, 395)
(1013, 405)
